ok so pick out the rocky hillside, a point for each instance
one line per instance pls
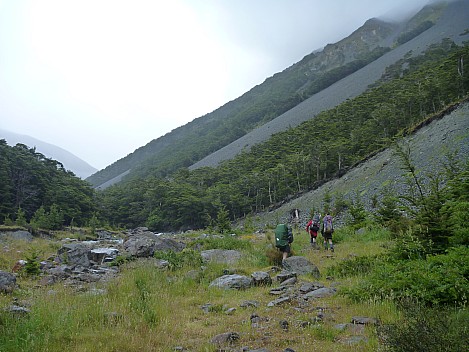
(257, 114)
(451, 24)
(430, 145)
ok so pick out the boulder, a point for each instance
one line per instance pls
(301, 266)
(140, 246)
(230, 256)
(7, 282)
(227, 338)
(237, 282)
(101, 255)
(17, 235)
(144, 244)
(75, 254)
(320, 293)
(261, 278)
(310, 286)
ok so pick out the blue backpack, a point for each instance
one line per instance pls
(328, 228)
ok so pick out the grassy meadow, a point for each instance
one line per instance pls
(148, 309)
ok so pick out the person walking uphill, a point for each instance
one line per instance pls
(327, 231)
(283, 239)
(312, 228)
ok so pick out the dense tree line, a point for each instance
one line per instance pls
(422, 27)
(296, 160)
(37, 189)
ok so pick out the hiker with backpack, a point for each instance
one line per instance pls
(312, 227)
(327, 231)
(283, 239)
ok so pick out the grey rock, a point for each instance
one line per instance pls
(261, 278)
(279, 301)
(17, 310)
(278, 290)
(98, 255)
(285, 275)
(75, 254)
(7, 282)
(284, 324)
(221, 256)
(232, 282)
(246, 304)
(289, 282)
(301, 266)
(141, 247)
(320, 293)
(227, 338)
(310, 286)
(17, 235)
(230, 311)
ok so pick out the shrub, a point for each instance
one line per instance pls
(121, 259)
(177, 260)
(410, 246)
(32, 266)
(354, 266)
(274, 256)
(220, 242)
(426, 329)
(439, 280)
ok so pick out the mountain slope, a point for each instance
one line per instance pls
(70, 161)
(451, 24)
(199, 138)
(430, 147)
(286, 93)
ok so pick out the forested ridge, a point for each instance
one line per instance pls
(301, 158)
(190, 143)
(38, 190)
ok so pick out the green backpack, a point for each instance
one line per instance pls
(282, 238)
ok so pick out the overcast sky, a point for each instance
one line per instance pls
(101, 78)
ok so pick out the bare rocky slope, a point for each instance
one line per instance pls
(452, 24)
(429, 147)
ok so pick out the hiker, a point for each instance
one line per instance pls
(312, 228)
(327, 230)
(295, 217)
(283, 239)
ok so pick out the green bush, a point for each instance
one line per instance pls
(410, 246)
(221, 242)
(274, 256)
(438, 280)
(426, 329)
(354, 266)
(33, 265)
(177, 260)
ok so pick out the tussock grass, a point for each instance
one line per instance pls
(147, 309)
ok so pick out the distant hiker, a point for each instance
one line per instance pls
(283, 239)
(312, 228)
(327, 231)
(295, 217)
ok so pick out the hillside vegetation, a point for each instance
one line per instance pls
(301, 158)
(37, 190)
(391, 165)
(395, 282)
(280, 93)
